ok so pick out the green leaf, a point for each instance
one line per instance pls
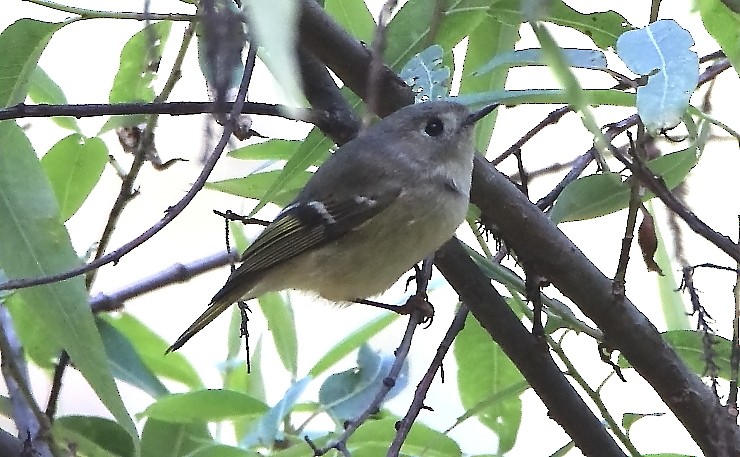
(269, 150)
(605, 193)
(724, 26)
(577, 58)
(426, 74)
(409, 32)
(161, 438)
(136, 72)
(35, 244)
(490, 38)
(661, 52)
(352, 342)
(279, 48)
(545, 96)
(345, 395)
(353, 16)
(125, 362)
(92, 433)
(43, 89)
(258, 185)
(221, 450)
(690, 347)
(629, 419)
(204, 406)
(21, 45)
(484, 370)
(151, 348)
(74, 166)
(373, 437)
(671, 300)
(252, 383)
(294, 176)
(281, 324)
(603, 27)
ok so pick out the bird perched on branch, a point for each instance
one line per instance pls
(381, 203)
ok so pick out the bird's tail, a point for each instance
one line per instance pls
(214, 309)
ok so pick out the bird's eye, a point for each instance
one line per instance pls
(434, 127)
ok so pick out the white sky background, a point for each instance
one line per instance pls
(83, 58)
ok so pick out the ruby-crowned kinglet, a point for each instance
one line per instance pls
(380, 204)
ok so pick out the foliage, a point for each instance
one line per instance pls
(43, 191)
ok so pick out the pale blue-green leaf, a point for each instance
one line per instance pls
(21, 45)
(345, 395)
(421, 440)
(125, 363)
(281, 324)
(34, 244)
(204, 406)
(351, 342)
(578, 58)
(43, 90)
(160, 438)
(490, 38)
(257, 185)
(74, 166)
(267, 430)
(94, 434)
(605, 193)
(724, 26)
(661, 51)
(426, 75)
(602, 27)
(278, 49)
(151, 348)
(354, 16)
(671, 299)
(137, 70)
(483, 370)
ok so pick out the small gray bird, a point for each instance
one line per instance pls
(380, 204)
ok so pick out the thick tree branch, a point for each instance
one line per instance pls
(564, 404)
(539, 242)
(349, 59)
(536, 240)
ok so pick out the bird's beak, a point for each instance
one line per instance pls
(478, 115)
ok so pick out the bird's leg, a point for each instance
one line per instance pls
(416, 303)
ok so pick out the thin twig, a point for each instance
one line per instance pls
(376, 64)
(404, 425)
(735, 352)
(22, 110)
(30, 421)
(179, 272)
(415, 318)
(172, 212)
(550, 119)
(85, 13)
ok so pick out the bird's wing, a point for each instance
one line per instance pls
(306, 225)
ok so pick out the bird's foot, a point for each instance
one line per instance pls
(416, 303)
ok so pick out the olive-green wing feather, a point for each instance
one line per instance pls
(298, 228)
